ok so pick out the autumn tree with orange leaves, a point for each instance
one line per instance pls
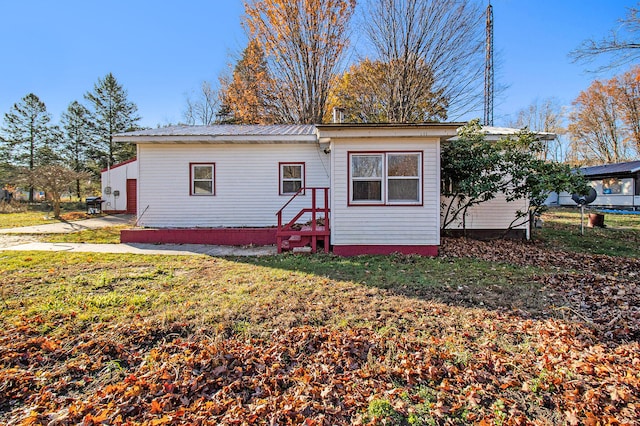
(247, 96)
(304, 41)
(368, 94)
(604, 124)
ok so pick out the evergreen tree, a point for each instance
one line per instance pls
(77, 138)
(28, 138)
(111, 113)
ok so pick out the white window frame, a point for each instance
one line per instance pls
(301, 179)
(193, 180)
(384, 179)
(353, 179)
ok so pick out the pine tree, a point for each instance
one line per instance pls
(111, 113)
(28, 137)
(77, 138)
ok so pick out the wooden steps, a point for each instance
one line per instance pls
(305, 238)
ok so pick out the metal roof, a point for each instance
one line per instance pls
(291, 133)
(228, 130)
(611, 169)
(509, 131)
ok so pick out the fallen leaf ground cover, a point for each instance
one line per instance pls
(506, 333)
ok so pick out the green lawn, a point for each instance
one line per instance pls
(39, 214)
(109, 235)
(620, 237)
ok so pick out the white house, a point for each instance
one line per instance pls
(616, 185)
(119, 187)
(357, 188)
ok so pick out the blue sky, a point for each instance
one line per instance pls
(161, 51)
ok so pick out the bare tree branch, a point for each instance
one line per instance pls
(444, 36)
(202, 109)
(304, 41)
(622, 45)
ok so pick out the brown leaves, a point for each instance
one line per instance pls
(601, 290)
(440, 364)
(321, 376)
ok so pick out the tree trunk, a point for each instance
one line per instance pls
(56, 208)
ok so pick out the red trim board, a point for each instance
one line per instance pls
(356, 250)
(213, 236)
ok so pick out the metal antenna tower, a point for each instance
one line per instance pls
(488, 70)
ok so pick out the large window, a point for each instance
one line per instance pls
(391, 178)
(611, 186)
(203, 179)
(291, 178)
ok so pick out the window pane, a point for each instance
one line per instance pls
(203, 187)
(403, 165)
(367, 190)
(289, 187)
(403, 190)
(202, 172)
(366, 165)
(612, 186)
(292, 172)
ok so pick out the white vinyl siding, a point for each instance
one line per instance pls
(623, 199)
(115, 179)
(246, 183)
(493, 214)
(385, 224)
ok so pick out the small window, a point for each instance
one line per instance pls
(291, 178)
(203, 179)
(612, 186)
(637, 191)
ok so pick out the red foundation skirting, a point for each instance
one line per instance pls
(355, 250)
(114, 211)
(213, 236)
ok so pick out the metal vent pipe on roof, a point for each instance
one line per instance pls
(338, 115)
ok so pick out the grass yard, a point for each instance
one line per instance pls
(40, 214)
(108, 235)
(503, 333)
(620, 237)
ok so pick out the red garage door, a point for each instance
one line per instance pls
(132, 196)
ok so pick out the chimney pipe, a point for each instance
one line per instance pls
(338, 115)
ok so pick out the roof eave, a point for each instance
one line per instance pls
(216, 139)
(441, 131)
